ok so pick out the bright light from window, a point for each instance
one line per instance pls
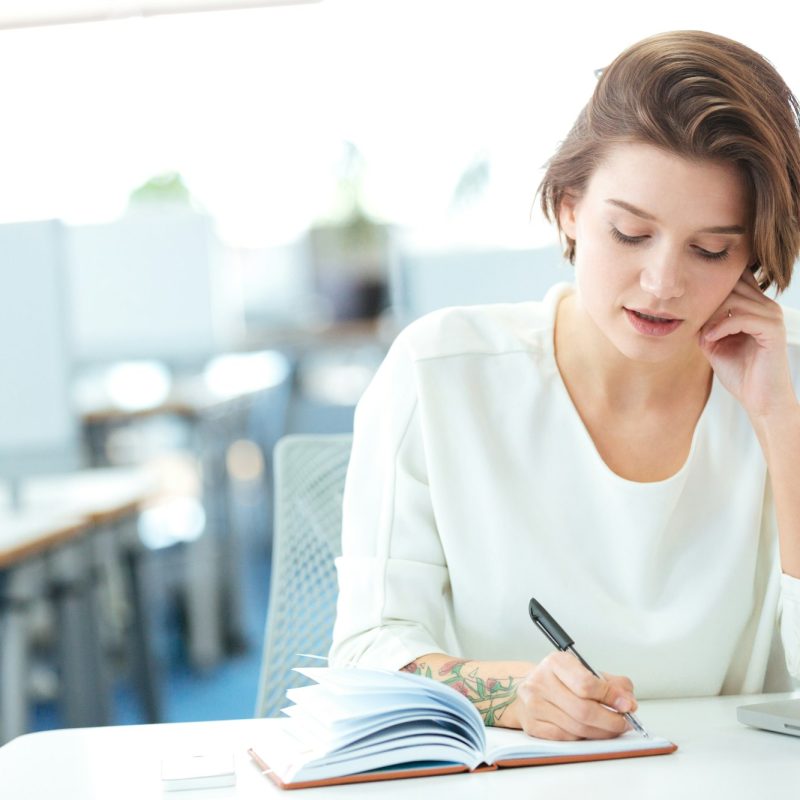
(252, 107)
(240, 373)
(137, 385)
(178, 519)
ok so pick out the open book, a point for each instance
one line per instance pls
(359, 724)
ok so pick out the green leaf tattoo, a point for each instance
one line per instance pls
(491, 696)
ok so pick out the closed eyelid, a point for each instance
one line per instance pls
(626, 240)
(709, 249)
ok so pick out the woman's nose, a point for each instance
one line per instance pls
(662, 277)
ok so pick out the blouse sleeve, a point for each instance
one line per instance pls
(790, 623)
(790, 586)
(392, 573)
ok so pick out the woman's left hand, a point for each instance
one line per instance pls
(745, 343)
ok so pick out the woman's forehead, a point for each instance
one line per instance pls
(660, 183)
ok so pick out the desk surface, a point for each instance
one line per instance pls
(28, 533)
(717, 757)
(57, 508)
(96, 494)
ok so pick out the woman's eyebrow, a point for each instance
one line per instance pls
(646, 215)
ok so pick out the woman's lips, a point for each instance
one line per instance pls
(651, 325)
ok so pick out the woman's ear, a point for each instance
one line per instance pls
(566, 214)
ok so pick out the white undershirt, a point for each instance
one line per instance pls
(474, 485)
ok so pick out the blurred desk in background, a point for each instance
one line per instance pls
(26, 535)
(224, 420)
(72, 544)
(332, 365)
(298, 339)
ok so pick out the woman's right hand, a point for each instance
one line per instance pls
(560, 699)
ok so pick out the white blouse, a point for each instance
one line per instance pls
(474, 485)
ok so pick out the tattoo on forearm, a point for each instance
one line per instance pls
(491, 696)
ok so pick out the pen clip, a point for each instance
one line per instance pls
(548, 626)
(543, 629)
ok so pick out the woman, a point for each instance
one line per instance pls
(625, 451)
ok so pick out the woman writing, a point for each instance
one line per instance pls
(626, 450)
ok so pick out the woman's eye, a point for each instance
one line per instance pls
(634, 240)
(709, 256)
(621, 237)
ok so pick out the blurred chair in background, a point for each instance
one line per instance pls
(309, 484)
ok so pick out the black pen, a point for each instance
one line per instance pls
(561, 639)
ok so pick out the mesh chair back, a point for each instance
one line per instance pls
(309, 483)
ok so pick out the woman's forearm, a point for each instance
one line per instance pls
(490, 685)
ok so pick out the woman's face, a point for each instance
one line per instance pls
(646, 245)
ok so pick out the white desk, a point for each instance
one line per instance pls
(717, 757)
(26, 533)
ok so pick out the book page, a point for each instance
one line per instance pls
(354, 721)
(504, 744)
(295, 759)
(356, 695)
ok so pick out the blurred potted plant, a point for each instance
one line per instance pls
(349, 247)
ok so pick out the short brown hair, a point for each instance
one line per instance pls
(700, 96)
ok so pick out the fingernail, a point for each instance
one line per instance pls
(622, 704)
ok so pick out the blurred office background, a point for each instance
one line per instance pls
(212, 225)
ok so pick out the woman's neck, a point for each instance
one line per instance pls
(586, 358)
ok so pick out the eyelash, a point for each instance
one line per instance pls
(634, 240)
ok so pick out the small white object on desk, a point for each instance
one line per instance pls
(197, 772)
